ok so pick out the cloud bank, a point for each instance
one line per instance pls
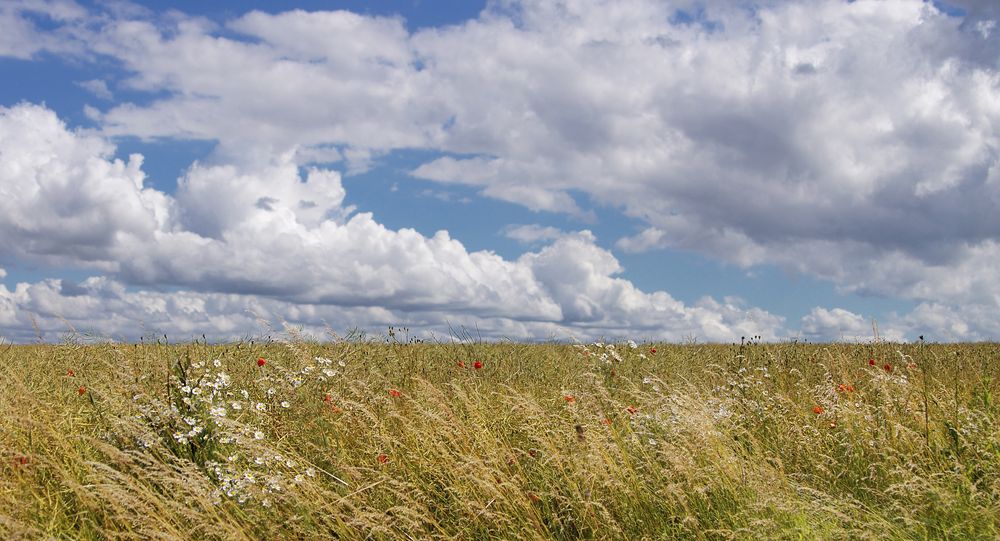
(856, 142)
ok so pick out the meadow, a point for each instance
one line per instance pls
(391, 439)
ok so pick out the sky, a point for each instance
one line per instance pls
(512, 169)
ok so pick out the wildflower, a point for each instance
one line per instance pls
(258, 435)
(285, 404)
(632, 410)
(818, 410)
(569, 399)
(21, 461)
(216, 363)
(186, 389)
(81, 390)
(383, 458)
(260, 406)
(477, 365)
(871, 362)
(652, 350)
(341, 364)
(845, 388)
(395, 393)
(607, 421)
(70, 372)
(911, 366)
(460, 364)
(328, 399)
(261, 361)
(887, 367)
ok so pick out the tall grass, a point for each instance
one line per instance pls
(363, 440)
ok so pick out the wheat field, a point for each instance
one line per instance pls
(389, 439)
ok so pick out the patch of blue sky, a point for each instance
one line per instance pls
(164, 160)
(51, 81)
(27, 272)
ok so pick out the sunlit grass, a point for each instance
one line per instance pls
(359, 440)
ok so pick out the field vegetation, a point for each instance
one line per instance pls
(389, 439)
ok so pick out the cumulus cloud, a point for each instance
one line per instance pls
(842, 123)
(822, 324)
(65, 199)
(278, 239)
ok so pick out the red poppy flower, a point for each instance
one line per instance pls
(477, 365)
(327, 398)
(383, 458)
(871, 362)
(632, 410)
(395, 393)
(460, 364)
(70, 372)
(652, 350)
(21, 461)
(81, 390)
(569, 399)
(818, 409)
(887, 367)
(261, 361)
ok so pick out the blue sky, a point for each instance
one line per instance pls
(536, 169)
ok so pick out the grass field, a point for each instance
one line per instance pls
(384, 440)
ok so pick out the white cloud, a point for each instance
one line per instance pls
(281, 243)
(20, 35)
(97, 87)
(532, 233)
(65, 198)
(835, 324)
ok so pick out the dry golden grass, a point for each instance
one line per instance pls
(779, 441)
